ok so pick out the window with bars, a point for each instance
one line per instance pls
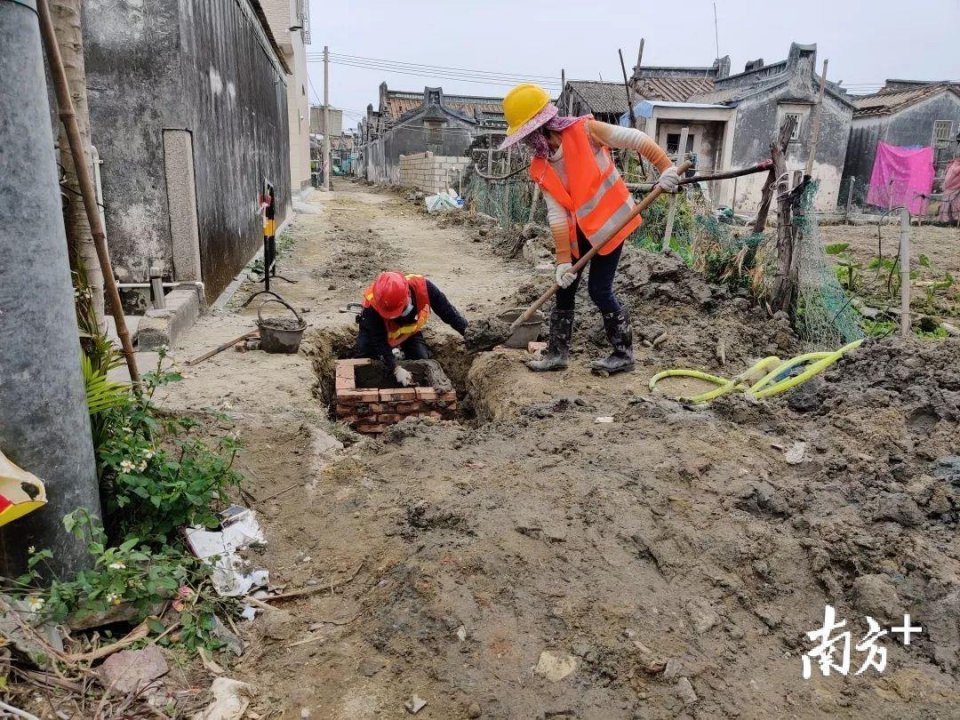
(795, 137)
(941, 132)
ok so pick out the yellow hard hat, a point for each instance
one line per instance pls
(522, 104)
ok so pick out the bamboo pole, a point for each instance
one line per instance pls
(905, 323)
(672, 212)
(69, 119)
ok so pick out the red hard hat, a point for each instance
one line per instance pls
(391, 294)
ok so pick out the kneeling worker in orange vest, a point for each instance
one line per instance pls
(395, 309)
(586, 203)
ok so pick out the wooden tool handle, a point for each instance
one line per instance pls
(582, 262)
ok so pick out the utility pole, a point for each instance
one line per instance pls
(326, 118)
(44, 425)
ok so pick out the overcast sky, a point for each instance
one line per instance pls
(866, 41)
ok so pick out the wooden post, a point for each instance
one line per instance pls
(533, 203)
(905, 324)
(853, 184)
(815, 122)
(785, 286)
(733, 203)
(626, 89)
(779, 146)
(672, 212)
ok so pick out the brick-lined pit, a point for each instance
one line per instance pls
(366, 405)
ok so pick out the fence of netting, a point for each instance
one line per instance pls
(724, 252)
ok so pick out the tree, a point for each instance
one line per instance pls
(83, 252)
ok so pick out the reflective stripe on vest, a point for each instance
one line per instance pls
(398, 334)
(595, 196)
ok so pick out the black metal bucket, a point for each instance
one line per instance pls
(279, 335)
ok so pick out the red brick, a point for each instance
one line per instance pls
(370, 428)
(358, 396)
(353, 362)
(450, 396)
(398, 394)
(388, 418)
(435, 414)
(534, 347)
(345, 384)
(406, 408)
(426, 393)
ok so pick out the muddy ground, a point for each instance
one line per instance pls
(672, 558)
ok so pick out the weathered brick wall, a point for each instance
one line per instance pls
(371, 410)
(431, 173)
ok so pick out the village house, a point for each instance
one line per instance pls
(909, 114)
(188, 112)
(290, 23)
(733, 118)
(429, 127)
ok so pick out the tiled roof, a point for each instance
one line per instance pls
(670, 89)
(722, 96)
(893, 99)
(399, 103)
(601, 97)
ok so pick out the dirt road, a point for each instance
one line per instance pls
(669, 562)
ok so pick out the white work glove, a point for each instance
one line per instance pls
(564, 277)
(404, 377)
(669, 180)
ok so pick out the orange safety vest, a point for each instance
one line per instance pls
(397, 334)
(595, 196)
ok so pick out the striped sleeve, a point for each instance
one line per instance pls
(557, 219)
(624, 138)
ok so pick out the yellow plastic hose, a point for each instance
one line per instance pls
(765, 387)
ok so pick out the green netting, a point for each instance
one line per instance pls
(507, 200)
(824, 315)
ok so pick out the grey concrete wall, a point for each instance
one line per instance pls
(912, 126)
(238, 115)
(200, 65)
(758, 122)
(135, 89)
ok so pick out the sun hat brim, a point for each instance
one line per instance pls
(537, 121)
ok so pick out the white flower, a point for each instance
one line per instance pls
(32, 549)
(126, 466)
(148, 454)
(142, 466)
(116, 565)
(35, 603)
(128, 430)
(113, 598)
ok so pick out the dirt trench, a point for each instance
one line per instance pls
(672, 557)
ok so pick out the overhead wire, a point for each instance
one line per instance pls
(403, 64)
(477, 80)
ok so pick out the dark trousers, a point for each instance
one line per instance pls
(413, 348)
(603, 268)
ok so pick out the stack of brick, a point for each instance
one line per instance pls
(431, 173)
(372, 410)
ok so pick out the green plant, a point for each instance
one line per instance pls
(155, 475)
(131, 574)
(878, 328)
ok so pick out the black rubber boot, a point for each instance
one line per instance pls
(557, 354)
(620, 334)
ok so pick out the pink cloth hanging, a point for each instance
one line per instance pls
(900, 176)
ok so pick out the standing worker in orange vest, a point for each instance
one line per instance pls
(395, 309)
(586, 202)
